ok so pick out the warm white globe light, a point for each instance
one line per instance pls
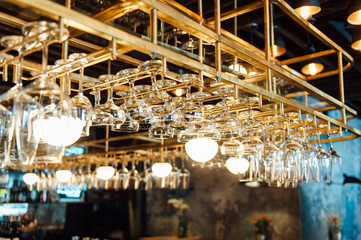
(30, 178)
(201, 149)
(162, 169)
(242, 165)
(63, 175)
(237, 165)
(105, 172)
(232, 165)
(58, 131)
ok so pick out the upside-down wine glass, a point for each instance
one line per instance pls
(99, 116)
(109, 106)
(42, 110)
(7, 120)
(292, 157)
(81, 104)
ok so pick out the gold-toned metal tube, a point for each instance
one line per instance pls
(153, 26)
(114, 48)
(217, 17)
(267, 40)
(340, 80)
(200, 41)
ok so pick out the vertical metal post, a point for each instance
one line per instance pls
(153, 26)
(200, 41)
(342, 91)
(267, 39)
(217, 18)
(305, 96)
(271, 30)
(114, 48)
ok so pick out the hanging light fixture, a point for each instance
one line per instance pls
(105, 172)
(307, 8)
(161, 169)
(354, 17)
(30, 178)
(356, 39)
(237, 165)
(63, 175)
(279, 47)
(313, 66)
(201, 149)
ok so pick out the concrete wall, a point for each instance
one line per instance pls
(222, 208)
(320, 201)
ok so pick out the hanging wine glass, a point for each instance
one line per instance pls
(133, 175)
(81, 104)
(6, 135)
(7, 120)
(65, 65)
(145, 182)
(324, 157)
(135, 109)
(42, 111)
(160, 129)
(183, 174)
(310, 160)
(153, 67)
(99, 116)
(192, 112)
(337, 160)
(292, 157)
(173, 178)
(109, 106)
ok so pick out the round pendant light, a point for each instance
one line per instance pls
(161, 169)
(105, 172)
(312, 68)
(63, 175)
(354, 16)
(201, 149)
(307, 8)
(30, 178)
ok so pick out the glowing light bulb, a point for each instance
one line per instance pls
(356, 45)
(179, 92)
(105, 172)
(355, 18)
(305, 12)
(243, 165)
(63, 175)
(161, 169)
(237, 165)
(201, 149)
(312, 68)
(275, 52)
(58, 131)
(30, 178)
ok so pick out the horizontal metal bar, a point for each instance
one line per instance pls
(307, 57)
(238, 11)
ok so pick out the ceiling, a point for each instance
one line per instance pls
(331, 21)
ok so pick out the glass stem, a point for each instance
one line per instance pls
(19, 80)
(97, 97)
(45, 58)
(110, 94)
(81, 81)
